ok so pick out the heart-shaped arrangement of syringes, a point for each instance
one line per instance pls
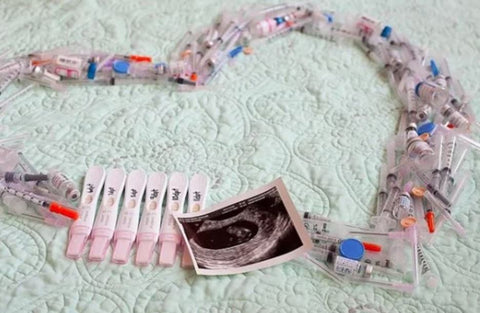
(420, 182)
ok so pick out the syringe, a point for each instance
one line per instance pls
(402, 287)
(404, 212)
(410, 234)
(437, 199)
(382, 192)
(460, 182)
(330, 253)
(462, 137)
(410, 96)
(403, 208)
(435, 182)
(52, 206)
(384, 221)
(18, 177)
(415, 146)
(445, 209)
(455, 117)
(6, 81)
(62, 185)
(325, 233)
(448, 152)
(322, 266)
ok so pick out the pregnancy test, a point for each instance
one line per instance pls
(80, 229)
(170, 235)
(197, 195)
(127, 225)
(149, 228)
(102, 232)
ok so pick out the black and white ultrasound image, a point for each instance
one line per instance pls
(250, 231)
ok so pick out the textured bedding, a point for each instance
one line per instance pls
(316, 113)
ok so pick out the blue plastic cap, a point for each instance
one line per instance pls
(426, 128)
(121, 66)
(386, 32)
(234, 52)
(351, 249)
(417, 87)
(92, 70)
(434, 68)
(279, 20)
(330, 18)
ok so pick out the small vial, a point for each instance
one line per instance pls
(423, 112)
(265, 27)
(63, 186)
(395, 60)
(403, 206)
(457, 104)
(416, 147)
(441, 81)
(380, 54)
(455, 117)
(345, 266)
(404, 211)
(210, 38)
(432, 94)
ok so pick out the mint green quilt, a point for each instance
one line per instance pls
(316, 113)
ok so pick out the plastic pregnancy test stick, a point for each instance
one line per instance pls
(127, 225)
(106, 219)
(197, 195)
(169, 234)
(81, 228)
(149, 228)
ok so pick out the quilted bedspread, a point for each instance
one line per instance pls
(316, 113)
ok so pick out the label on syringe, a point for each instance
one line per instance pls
(319, 231)
(69, 62)
(315, 226)
(321, 237)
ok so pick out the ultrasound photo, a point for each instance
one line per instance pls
(258, 229)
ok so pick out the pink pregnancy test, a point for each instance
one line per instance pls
(102, 232)
(127, 224)
(149, 227)
(170, 235)
(81, 228)
(197, 195)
